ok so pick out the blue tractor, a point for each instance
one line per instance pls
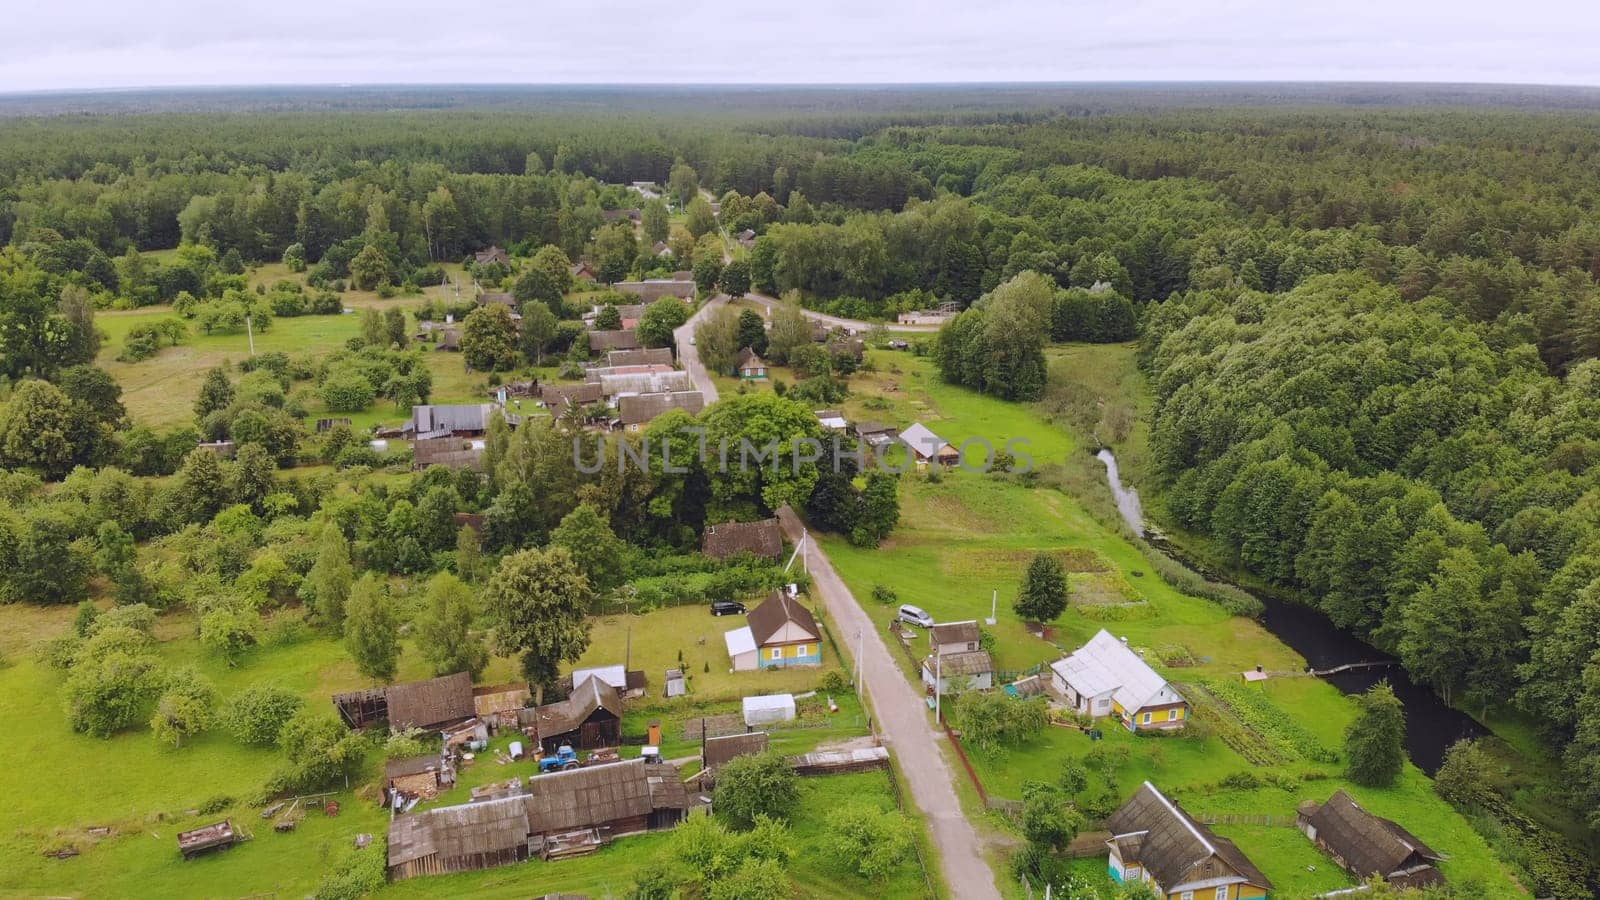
(565, 759)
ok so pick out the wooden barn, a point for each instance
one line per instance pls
(1367, 845)
(458, 838)
(417, 776)
(590, 718)
(1155, 843)
(560, 814)
(716, 752)
(429, 705)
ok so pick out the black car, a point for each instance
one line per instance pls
(727, 608)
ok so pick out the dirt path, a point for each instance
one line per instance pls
(906, 724)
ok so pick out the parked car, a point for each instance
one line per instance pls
(727, 608)
(915, 616)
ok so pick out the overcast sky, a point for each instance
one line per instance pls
(116, 43)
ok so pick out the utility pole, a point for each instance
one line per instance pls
(994, 605)
(938, 695)
(249, 329)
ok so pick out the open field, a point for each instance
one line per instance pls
(152, 788)
(966, 535)
(160, 391)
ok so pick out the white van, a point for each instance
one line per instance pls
(915, 616)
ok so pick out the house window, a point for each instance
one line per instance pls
(1222, 892)
(1172, 716)
(1147, 722)
(801, 650)
(777, 653)
(1187, 895)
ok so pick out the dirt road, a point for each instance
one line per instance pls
(907, 726)
(689, 356)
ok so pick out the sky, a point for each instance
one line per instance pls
(84, 44)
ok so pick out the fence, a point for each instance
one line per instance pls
(898, 791)
(1268, 820)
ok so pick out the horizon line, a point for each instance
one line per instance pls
(790, 85)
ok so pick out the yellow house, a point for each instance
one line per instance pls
(1153, 841)
(785, 633)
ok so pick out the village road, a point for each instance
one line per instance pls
(906, 723)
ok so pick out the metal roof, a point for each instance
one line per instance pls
(1104, 665)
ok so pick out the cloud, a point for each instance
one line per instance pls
(97, 43)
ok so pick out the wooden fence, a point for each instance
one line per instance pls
(1265, 819)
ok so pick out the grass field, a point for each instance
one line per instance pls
(146, 792)
(160, 391)
(967, 535)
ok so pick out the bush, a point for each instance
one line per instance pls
(256, 715)
(752, 786)
(884, 594)
(870, 841)
(347, 391)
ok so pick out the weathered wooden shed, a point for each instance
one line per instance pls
(458, 838)
(591, 717)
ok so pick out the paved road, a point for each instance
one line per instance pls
(689, 356)
(906, 724)
(855, 325)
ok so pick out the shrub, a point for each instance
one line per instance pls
(751, 786)
(869, 840)
(257, 714)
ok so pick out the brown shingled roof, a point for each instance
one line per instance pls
(1175, 849)
(775, 612)
(641, 408)
(954, 633)
(656, 356)
(614, 340)
(1368, 844)
(763, 538)
(567, 715)
(582, 798)
(426, 704)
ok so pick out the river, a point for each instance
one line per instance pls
(1431, 725)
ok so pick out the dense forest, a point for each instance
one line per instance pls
(1371, 331)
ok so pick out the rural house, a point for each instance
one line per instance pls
(928, 447)
(955, 637)
(763, 538)
(1367, 845)
(628, 684)
(1105, 678)
(450, 452)
(653, 289)
(638, 410)
(452, 420)
(582, 271)
(498, 298)
(785, 633)
(750, 366)
(661, 356)
(949, 673)
(875, 434)
(590, 718)
(1155, 842)
(625, 339)
(492, 255)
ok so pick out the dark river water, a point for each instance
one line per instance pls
(1431, 725)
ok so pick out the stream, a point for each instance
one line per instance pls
(1431, 725)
